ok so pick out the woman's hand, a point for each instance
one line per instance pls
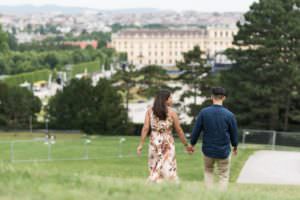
(190, 149)
(139, 150)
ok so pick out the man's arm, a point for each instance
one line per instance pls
(197, 130)
(233, 130)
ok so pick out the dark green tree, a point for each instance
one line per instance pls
(151, 79)
(3, 41)
(17, 105)
(109, 112)
(70, 109)
(12, 42)
(195, 73)
(52, 60)
(264, 81)
(81, 106)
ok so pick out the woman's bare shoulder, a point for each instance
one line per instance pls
(149, 110)
(171, 112)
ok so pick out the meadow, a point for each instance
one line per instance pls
(111, 171)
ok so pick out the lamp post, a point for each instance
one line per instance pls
(30, 123)
(46, 125)
(124, 66)
(193, 65)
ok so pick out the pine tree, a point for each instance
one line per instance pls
(151, 79)
(195, 74)
(264, 81)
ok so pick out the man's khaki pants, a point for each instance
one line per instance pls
(223, 168)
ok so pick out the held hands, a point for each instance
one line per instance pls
(190, 149)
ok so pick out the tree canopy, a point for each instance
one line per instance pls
(264, 81)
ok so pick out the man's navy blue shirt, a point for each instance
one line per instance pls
(219, 128)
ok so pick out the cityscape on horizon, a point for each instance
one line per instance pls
(200, 6)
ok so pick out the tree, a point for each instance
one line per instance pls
(108, 110)
(17, 105)
(70, 109)
(3, 41)
(151, 79)
(91, 109)
(125, 80)
(12, 42)
(52, 60)
(195, 75)
(264, 81)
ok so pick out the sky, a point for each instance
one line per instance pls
(178, 5)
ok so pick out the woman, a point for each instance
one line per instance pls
(161, 119)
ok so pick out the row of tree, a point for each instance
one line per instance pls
(14, 62)
(48, 54)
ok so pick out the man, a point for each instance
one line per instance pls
(219, 128)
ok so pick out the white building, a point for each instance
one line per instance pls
(165, 46)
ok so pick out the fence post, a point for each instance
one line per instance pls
(12, 151)
(122, 140)
(274, 140)
(86, 156)
(245, 132)
(49, 151)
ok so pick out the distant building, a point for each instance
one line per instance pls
(165, 46)
(29, 37)
(83, 44)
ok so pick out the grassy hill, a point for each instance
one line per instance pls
(107, 175)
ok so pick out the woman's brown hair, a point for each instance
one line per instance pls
(160, 108)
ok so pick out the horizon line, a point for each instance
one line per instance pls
(118, 9)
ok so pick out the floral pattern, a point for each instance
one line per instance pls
(162, 161)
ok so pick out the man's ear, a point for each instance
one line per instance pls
(224, 98)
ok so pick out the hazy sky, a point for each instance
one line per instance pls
(200, 5)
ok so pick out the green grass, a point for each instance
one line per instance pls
(108, 176)
(30, 77)
(91, 67)
(43, 75)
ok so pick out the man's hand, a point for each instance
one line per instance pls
(235, 151)
(190, 149)
(139, 150)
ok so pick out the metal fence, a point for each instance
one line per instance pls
(88, 148)
(271, 138)
(40, 149)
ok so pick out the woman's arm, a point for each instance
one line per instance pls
(144, 133)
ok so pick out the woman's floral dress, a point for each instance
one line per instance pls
(162, 161)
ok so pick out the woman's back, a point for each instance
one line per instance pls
(161, 126)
